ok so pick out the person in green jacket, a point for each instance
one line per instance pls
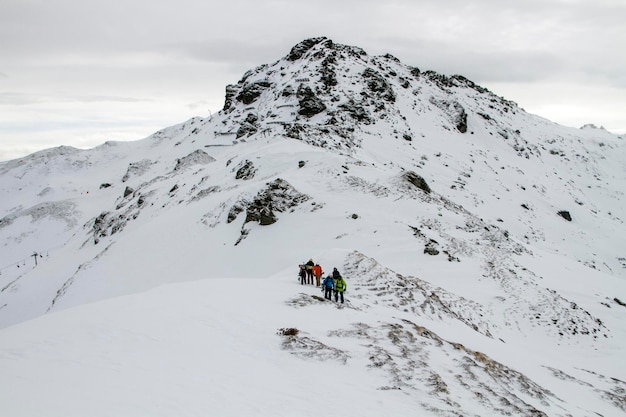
(340, 288)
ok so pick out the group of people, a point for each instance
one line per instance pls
(333, 284)
(308, 271)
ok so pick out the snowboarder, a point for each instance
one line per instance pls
(309, 271)
(317, 272)
(340, 288)
(302, 274)
(329, 286)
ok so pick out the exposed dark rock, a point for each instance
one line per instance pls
(461, 81)
(301, 164)
(356, 111)
(454, 111)
(249, 126)
(109, 223)
(277, 197)
(431, 248)
(128, 191)
(417, 181)
(327, 71)
(391, 58)
(235, 210)
(294, 130)
(246, 170)
(310, 104)
(439, 79)
(379, 85)
(105, 185)
(565, 215)
(289, 331)
(300, 49)
(231, 92)
(250, 92)
(288, 91)
(451, 258)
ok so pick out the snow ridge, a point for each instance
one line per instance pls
(482, 247)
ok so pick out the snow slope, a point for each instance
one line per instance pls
(169, 263)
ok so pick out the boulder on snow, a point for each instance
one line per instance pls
(417, 180)
(277, 197)
(454, 111)
(431, 248)
(245, 170)
(565, 214)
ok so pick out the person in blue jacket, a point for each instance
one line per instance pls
(329, 285)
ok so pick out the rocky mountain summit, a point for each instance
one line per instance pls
(465, 227)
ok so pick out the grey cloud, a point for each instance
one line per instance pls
(76, 52)
(20, 99)
(221, 51)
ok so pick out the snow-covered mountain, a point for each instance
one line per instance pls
(483, 249)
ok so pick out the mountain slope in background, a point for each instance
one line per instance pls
(482, 245)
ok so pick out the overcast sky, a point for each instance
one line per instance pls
(81, 72)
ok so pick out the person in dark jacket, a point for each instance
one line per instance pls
(336, 273)
(329, 286)
(309, 271)
(302, 274)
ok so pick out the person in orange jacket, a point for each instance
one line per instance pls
(317, 272)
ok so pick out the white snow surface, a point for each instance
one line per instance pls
(160, 290)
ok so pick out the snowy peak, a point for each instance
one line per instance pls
(322, 89)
